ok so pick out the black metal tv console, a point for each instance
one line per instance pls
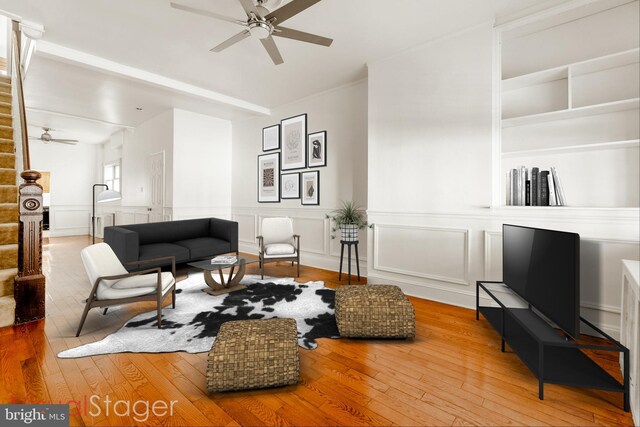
(549, 355)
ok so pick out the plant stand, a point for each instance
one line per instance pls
(349, 244)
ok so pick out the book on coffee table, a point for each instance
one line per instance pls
(224, 259)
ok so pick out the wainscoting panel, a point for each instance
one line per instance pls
(492, 255)
(69, 220)
(247, 227)
(429, 252)
(313, 234)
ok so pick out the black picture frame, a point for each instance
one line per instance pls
(290, 193)
(314, 178)
(268, 143)
(293, 137)
(269, 178)
(317, 146)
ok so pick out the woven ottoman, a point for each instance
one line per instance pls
(251, 354)
(374, 311)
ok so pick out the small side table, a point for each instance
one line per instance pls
(349, 244)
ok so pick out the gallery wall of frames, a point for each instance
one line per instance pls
(286, 170)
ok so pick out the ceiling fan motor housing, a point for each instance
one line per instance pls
(260, 29)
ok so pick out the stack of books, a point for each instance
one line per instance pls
(540, 188)
(224, 259)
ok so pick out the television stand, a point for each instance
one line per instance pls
(544, 350)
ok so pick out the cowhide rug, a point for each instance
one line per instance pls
(193, 325)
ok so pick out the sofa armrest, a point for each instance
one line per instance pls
(225, 230)
(125, 243)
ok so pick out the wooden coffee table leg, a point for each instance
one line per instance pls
(232, 284)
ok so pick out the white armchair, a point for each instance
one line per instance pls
(114, 285)
(278, 243)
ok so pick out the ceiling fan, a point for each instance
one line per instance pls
(263, 24)
(46, 138)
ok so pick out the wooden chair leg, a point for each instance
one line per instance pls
(105, 311)
(298, 263)
(159, 311)
(173, 297)
(87, 307)
(262, 269)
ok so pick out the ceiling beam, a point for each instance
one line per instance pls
(66, 54)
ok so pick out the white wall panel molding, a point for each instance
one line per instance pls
(69, 220)
(247, 227)
(396, 249)
(491, 271)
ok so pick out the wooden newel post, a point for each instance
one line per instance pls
(29, 291)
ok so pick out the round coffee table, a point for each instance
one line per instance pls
(232, 282)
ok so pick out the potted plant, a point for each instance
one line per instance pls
(349, 219)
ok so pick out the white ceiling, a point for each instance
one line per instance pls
(152, 36)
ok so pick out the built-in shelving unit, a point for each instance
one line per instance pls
(580, 116)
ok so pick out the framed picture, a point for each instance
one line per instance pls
(269, 178)
(294, 136)
(317, 149)
(290, 185)
(310, 188)
(271, 138)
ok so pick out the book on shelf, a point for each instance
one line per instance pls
(552, 190)
(508, 189)
(534, 186)
(544, 188)
(562, 201)
(224, 259)
(538, 188)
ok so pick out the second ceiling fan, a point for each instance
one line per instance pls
(263, 24)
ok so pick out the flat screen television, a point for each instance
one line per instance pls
(543, 267)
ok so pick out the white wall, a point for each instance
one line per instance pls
(73, 174)
(201, 166)
(342, 112)
(430, 150)
(153, 136)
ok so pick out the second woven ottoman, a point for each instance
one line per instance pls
(374, 311)
(250, 354)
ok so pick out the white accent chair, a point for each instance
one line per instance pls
(114, 285)
(278, 243)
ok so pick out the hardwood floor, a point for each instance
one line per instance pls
(453, 373)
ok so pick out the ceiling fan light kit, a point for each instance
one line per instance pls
(262, 24)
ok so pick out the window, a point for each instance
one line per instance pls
(112, 175)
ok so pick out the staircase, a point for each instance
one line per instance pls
(9, 212)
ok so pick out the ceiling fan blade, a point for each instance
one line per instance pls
(249, 7)
(35, 137)
(229, 42)
(65, 141)
(270, 45)
(207, 13)
(289, 10)
(301, 36)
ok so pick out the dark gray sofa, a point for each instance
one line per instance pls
(186, 240)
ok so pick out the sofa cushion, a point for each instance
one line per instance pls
(202, 247)
(170, 231)
(158, 250)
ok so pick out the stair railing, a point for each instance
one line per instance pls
(29, 289)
